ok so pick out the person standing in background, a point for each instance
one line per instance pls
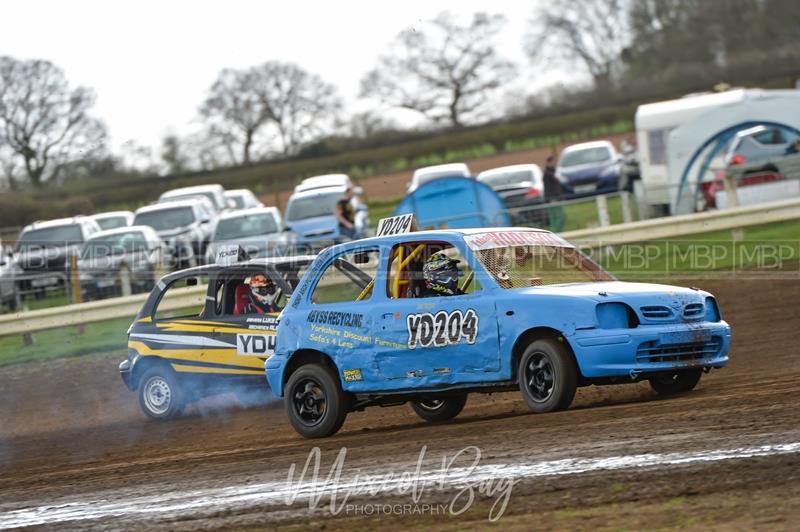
(346, 214)
(553, 194)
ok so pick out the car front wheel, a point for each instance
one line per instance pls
(160, 395)
(548, 376)
(678, 382)
(315, 402)
(440, 409)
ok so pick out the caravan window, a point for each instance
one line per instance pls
(657, 146)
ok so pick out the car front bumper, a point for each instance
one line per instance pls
(651, 348)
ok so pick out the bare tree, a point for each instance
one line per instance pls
(368, 123)
(43, 121)
(9, 168)
(301, 105)
(443, 70)
(235, 107)
(592, 33)
(173, 154)
(245, 107)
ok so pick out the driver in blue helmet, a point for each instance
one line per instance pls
(440, 276)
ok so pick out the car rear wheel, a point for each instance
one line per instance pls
(440, 409)
(679, 382)
(160, 395)
(547, 376)
(315, 402)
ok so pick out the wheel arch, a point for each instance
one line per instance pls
(307, 356)
(144, 364)
(539, 333)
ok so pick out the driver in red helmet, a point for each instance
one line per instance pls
(263, 296)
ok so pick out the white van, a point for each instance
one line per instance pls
(429, 173)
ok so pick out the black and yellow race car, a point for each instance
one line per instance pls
(207, 330)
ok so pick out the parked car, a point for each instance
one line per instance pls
(323, 181)
(43, 249)
(758, 147)
(432, 316)
(757, 152)
(242, 198)
(429, 173)
(185, 226)
(589, 168)
(522, 189)
(259, 231)
(111, 259)
(8, 284)
(310, 215)
(214, 193)
(112, 220)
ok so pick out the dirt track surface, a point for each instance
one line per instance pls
(76, 452)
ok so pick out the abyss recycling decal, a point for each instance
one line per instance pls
(441, 329)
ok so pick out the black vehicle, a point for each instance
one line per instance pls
(185, 226)
(120, 260)
(41, 256)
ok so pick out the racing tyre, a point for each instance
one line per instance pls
(315, 402)
(443, 409)
(160, 395)
(678, 382)
(547, 376)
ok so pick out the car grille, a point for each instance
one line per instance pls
(655, 352)
(659, 312)
(656, 312)
(693, 310)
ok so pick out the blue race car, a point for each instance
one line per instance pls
(429, 317)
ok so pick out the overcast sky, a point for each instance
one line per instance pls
(151, 62)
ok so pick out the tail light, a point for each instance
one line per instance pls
(737, 159)
(533, 193)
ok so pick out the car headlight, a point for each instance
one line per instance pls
(712, 310)
(561, 177)
(616, 316)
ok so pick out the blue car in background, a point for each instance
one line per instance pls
(589, 168)
(311, 216)
(530, 312)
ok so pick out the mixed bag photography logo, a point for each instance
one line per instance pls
(447, 486)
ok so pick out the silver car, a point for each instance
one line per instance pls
(259, 231)
(119, 260)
